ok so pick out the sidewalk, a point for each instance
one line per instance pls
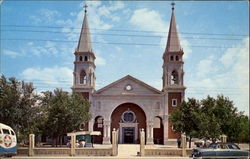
(96, 157)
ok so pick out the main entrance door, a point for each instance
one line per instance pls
(128, 135)
(129, 119)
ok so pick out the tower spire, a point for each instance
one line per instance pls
(173, 43)
(85, 10)
(84, 43)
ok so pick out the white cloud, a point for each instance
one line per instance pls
(45, 16)
(12, 54)
(230, 76)
(49, 78)
(100, 61)
(205, 67)
(185, 46)
(49, 14)
(146, 19)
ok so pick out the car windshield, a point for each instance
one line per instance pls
(232, 146)
(212, 146)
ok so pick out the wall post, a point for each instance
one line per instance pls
(142, 142)
(31, 144)
(73, 145)
(114, 142)
(183, 144)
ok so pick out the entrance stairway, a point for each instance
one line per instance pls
(128, 150)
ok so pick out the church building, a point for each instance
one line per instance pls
(129, 104)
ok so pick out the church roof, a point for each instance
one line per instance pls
(173, 43)
(84, 44)
(128, 77)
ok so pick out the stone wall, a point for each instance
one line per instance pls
(66, 151)
(166, 152)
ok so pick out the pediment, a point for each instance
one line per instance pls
(128, 85)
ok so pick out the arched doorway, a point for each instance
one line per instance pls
(129, 118)
(98, 126)
(158, 130)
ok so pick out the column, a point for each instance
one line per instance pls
(31, 144)
(106, 132)
(150, 133)
(114, 143)
(165, 129)
(91, 125)
(73, 145)
(142, 142)
(183, 144)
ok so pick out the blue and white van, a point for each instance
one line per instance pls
(8, 141)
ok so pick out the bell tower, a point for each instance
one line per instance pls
(84, 64)
(173, 74)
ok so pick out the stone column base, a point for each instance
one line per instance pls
(106, 141)
(170, 142)
(150, 141)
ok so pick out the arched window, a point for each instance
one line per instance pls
(86, 58)
(157, 122)
(80, 58)
(99, 121)
(176, 58)
(171, 58)
(83, 77)
(174, 77)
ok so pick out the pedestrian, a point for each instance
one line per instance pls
(179, 142)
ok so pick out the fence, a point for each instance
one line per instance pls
(73, 150)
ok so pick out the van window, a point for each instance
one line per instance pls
(12, 132)
(6, 131)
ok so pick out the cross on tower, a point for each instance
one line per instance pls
(85, 6)
(172, 5)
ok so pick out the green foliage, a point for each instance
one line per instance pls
(53, 113)
(185, 118)
(211, 118)
(18, 106)
(63, 113)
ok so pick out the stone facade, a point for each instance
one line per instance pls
(129, 104)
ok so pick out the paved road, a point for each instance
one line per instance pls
(94, 157)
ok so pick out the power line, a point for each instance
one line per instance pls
(130, 35)
(118, 43)
(123, 30)
(190, 88)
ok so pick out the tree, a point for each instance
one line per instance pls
(209, 126)
(185, 119)
(210, 118)
(18, 106)
(63, 113)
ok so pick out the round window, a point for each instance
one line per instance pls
(128, 116)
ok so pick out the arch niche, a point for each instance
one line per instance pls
(158, 130)
(129, 118)
(98, 126)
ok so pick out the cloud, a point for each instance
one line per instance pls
(205, 67)
(45, 16)
(49, 78)
(146, 19)
(12, 54)
(228, 75)
(100, 61)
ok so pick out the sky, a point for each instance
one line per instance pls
(38, 39)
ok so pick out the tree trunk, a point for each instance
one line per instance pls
(60, 139)
(190, 139)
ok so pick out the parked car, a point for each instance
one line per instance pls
(220, 149)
